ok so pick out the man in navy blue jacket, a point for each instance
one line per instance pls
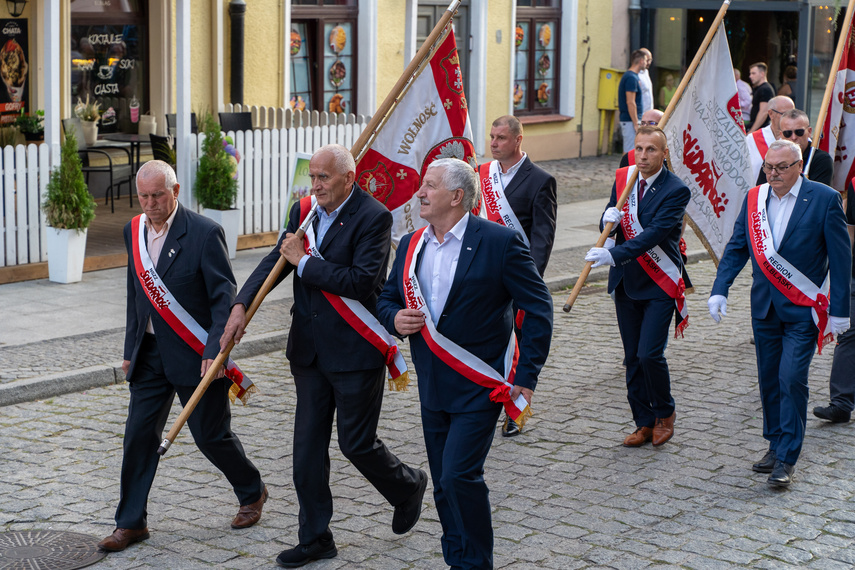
(644, 308)
(808, 239)
(469, 272)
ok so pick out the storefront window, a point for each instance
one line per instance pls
(323, 55)
(109, 58)
(536, 65)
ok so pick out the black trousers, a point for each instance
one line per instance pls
(356, 397)
(210, 424)
(842, 381)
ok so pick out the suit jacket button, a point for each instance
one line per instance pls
(315, 315)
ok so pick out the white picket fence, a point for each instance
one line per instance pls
(264, 174)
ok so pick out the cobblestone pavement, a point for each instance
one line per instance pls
(581, 179)
(565, 495)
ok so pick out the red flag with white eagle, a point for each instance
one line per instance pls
(430, 121)
(838, 137)
(706, 139)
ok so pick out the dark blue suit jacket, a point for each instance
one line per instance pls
(661, 215)
(199, 275)
(815, 241)
(356, 253)
(493, 271)
(532, 195)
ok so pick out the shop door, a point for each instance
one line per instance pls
(430, 11)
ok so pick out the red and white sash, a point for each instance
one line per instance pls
(630, 156)
(758, 144)
(495, 203)
(782, 274)
(358, 317)
(654, 261)
(458, 358)
(178, 319)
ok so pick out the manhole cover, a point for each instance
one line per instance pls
(47, 550)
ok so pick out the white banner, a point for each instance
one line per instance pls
(706, 139)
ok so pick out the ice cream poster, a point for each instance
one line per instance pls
(14, 68)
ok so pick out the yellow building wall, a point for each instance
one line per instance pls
(263, 53)
(499, 19)
(580, 135)
(201, 62)
(391, 15)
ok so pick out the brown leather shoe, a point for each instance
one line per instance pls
(123, 538)
(248, 515)
(663, 429)
(639, 437)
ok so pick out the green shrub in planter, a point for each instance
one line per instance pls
(216, 187)
(67, 203)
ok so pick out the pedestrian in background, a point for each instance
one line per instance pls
(629, 99)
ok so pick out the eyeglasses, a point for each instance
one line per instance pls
(650, 123)
(781, 168)
(788, 134)
(777, 111)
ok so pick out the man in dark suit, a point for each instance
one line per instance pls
(795, 127)
(531, 196)
(466, 280)
(188, 253)
(335, 369)
(794, 231)
(644, 305)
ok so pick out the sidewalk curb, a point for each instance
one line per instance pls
(44, 387)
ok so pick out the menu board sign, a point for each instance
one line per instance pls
(14, 68)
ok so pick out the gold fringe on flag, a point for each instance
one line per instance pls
(524, 416)
(400, 383)
(235, 389)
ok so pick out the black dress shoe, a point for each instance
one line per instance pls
(302, 554)
(766, 464)
(510, 428)
(407, 513)
(832, 413)
(782, 474)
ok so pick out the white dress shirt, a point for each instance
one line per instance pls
(506, 177)
(438, 265)
(154, 245)
(780, 210)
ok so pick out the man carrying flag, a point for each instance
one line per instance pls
(794, 232)
(522, 196)
(646, 279)
(338, 368)
(180, 287)
(452, 290)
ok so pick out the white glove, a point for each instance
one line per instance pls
(839, 325)
(612, 215)
(610, 243)
(717, 304)
(600, 256)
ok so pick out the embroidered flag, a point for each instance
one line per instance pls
(838, 137)
(706, 139)
(430, 121)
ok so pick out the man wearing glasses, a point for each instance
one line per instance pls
(794, 232)
(818, 165)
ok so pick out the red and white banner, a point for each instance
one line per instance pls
(431, 121)
(838, 137)
(758, 146)
(706, 138)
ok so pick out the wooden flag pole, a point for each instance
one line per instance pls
(829, 86)
(835, 65)
(371, 130)
(607, 228)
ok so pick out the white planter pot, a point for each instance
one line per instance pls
(66, 250)
(90, 132)
(230, 222)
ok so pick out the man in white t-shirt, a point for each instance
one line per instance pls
(645, 82)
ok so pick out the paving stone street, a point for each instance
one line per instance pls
(565, 494)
